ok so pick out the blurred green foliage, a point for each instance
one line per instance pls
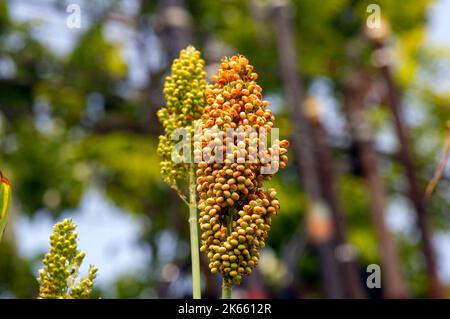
(52, 149)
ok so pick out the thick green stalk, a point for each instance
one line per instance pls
(195, 255)
(226, 288)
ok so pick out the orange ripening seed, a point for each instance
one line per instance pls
(231, 193)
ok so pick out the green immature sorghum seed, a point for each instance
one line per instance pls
(58, 279)
(184, 93)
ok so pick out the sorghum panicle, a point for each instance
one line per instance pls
(231, 193)
(58, 279)
(184, 92)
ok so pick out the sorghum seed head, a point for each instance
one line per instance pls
(235, 187)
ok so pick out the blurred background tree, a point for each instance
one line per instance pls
(78, 115)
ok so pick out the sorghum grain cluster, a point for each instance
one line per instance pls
(235, 210)
(184, 92)
(58, 279)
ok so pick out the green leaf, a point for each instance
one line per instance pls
(5, 194)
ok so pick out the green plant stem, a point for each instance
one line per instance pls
(226, 289)
(195, 255)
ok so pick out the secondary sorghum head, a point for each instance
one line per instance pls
(59, 278)
(184, 92)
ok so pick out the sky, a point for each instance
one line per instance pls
(108, 235)
(439, 24)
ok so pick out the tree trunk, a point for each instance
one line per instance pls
(416, 194)
(355, 89)
(175, 25)
(348, 265)
(303, 148)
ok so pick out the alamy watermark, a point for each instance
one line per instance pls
(374, 19)
(213, 145)
(374, 279)
(73, 21)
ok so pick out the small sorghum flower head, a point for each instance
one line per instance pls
(184, 92)
(59, 278)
